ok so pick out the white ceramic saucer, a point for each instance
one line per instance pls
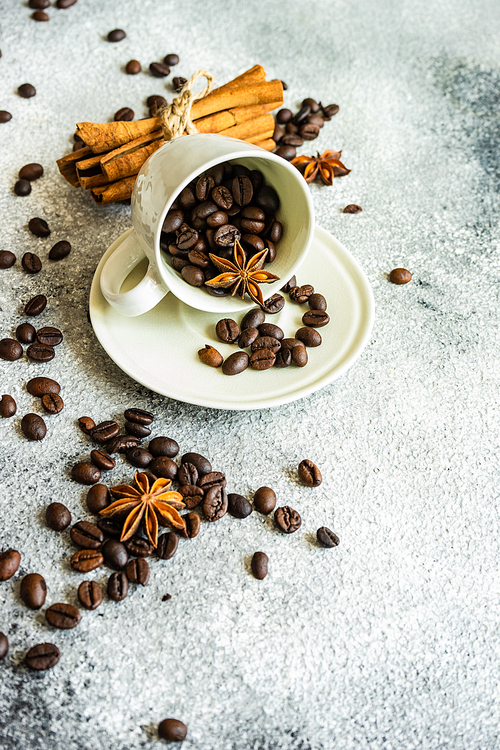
(160, 348)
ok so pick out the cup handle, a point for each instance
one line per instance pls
(145, 295)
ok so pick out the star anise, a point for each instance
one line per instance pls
(327, 166)
(242, 275)
(149, 505)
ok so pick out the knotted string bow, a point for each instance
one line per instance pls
(176, 117)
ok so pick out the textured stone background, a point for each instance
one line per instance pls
(392, 639)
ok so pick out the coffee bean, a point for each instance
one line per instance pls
(317, 302)
(222, 197)
(191, 495)
(138, 547)
(330, 110)
(309, 131)
(40, 386)
(115, 554)
(102, 460)
(110, 528)
(122, 443)
(5, 116)
(193, 525)
(212, 479)
(26, 333)
(60, 250)
(52, 403)
(316, 120)
(125, 114)
(139, 457)
(7, 259)
(117, 586)
(287, 520)
(400, 276)
(283, 358)
(274, 304)
(26, 91)
(171, 59)
(210, 356)
(9, 563)
(137, 571)
(33, 427)
(262, 359)
(116, 35)
(227, 330)
(163, 467)
(133, 67)
(137, 430)
(301, 294)
(235, 363)
(4, 645)
(63, 616)
(215, 503)
(238, 506)
(227, 235)
(266, 342)
(36, 305)
(57, 516)
(41, 657)
(247, 337)
(172, 730)
(139, 416)
(287, 152)
(85, 473)
(167, 545)
(49, 335)
(309, 474)
(38, 4)
(40, 352)
(178, 83)
(352, 208)
(291, 139)
(33, 590)
(39, 227)
(179, 263)
(63, 4)
(253, 319)
(8, 406)
(202, 464)
(98, 498)
(327, 538)
(316, 318)
(173, 221)
(309, 336)
(264, 500)
(267, 199)
(86, 560)
(159, 70)
(193, 275)
(163, 446)
(86, 535)
(259, 565)
(31, 172)
(299, 355)
(90, 594)
(187, 474)
(104, 431)
(22, 187)
(10, 350)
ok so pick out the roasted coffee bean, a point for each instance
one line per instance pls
(253, 243)
(33, 427)
(52, 403)
(227, 235)
(164, 467)
(41, 657)
(63, 616)
(39, 227)
(5, 116)
(202, 464)
(274, 304)
(291, 139)
(212, 479)
(31, 172)
(227, 330)
(309, 474)
(117, 586)
(204, 185)
(193, 275)
(137, 571)
(290, 343)
(33, 590)
(167, 545)
(210, 356)
(352, 208)
(63, 4)
(284, 115)
(400, 276)
(40, 386)
(137, 430)
(98, 498)
(299, 355)
(316, 120)
(8, 406)
(187, 474)
(36, 305)
(86, 535)
(264, 500)
(242, 190)
(172, 730)
(90, 594)
(49, 335)
(217, 219)
(10, 349)
(138, 547)
(309, 131)
(122, 443)
(276, 232)
(173, 221)
(235, 363)
(86, 560)
(104, 431)
(171, 59)
(327, 538)
(191, 495)
(198, 258)
(133, 67)
(116, 35)
(155, 99)
(222, 197)
(302, 114)
(238, 506)
(287, 152)
(9, 563)
(163, 446)
(283, 358)
(125, 114)
(26, 91)
(271, 330)
(253, 319)
(259, 565)
(309, 336)
(215, 503)
(40, 352)
(4, 645)
(159, 70)
(267, 199)
(312, 104)
(186, 199)
(102, 460)
(7, 259)
(317, 302)
(139, 457)
(287, 519)
(139, 416)
(193, 524)
(115, 554)
(278, 134)
(301, 294)
(178, 82)
(290, 284)
(110, 528)
(85, 473)
(38, 4)
(57, 516)
(247, 337)
(266, 342)
(316, 318)
(26, 333)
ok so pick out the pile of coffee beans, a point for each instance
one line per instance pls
(292, 130)
(226, 203)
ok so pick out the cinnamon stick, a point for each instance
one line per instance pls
(257, 73)
(128, 159)
(262, 92)
(67, 165)
(224, 120)
(107, 136)
(267, 145)
(116, 191)
(260, 136)
(251, 128)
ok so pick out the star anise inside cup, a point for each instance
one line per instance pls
(327, 166)
(242, 275)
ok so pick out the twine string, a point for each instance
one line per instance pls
(176, 117)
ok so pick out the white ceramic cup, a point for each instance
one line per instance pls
(160, 180)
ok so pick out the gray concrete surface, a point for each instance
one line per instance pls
(391, 640)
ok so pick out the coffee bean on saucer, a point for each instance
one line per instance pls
(172, 730)
(85, 473)
(352, 209)
(86, 560)
(102, 460)
(98, 498)
(235, 363)
(10, 350)
(25, 333)
(33, 590)
(116, 35)
(57, 516)
(264, 500)
(316, 318)
(259, 565)
(39, 227)
(287, 519)
(215, 503)
(247, 337)
(317, 302)
(167, 545)
(327, 538)
(163, 446)
(90, 594)
(309, 474)
(227, 330)
(274, 304)
(301, 294)
(63, 616)
(137, 571)
(8, 406)
(290, 284)
(400, 276)
(60, 250)
(52, 403)
(262, 359)
(9, 563)
(26, 90)
(115, 554)
(22, 187)
(238, 506)
(43, 656)
(118, 586)
(137, 430)
(139, 416)
(210, 356)
(40, 386)
(36, 305)
(272, 330)
(299, 355)
(133, 67)
(4, 645)
(33, 427)
(308, 336)
(7, 259)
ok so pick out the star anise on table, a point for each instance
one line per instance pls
(242, 275)
(146, 504)
(327, 166)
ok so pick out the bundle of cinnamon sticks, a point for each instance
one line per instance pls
(114, 152)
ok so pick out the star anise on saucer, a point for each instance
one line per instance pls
(147, 505)
(327, 166)
(242, 275)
